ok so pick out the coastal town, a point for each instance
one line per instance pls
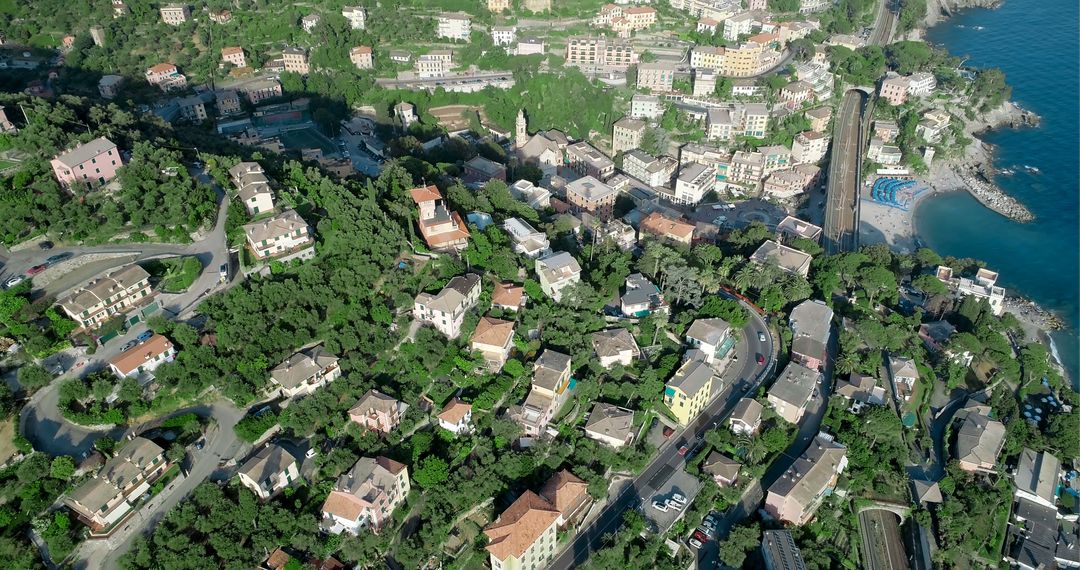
(512, 285)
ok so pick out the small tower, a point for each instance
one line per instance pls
(521, 133)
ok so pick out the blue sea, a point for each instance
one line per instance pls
(1036, 44)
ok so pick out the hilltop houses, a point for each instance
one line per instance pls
(446, 309)
(304, 372)
(551, 386)
(442, 229)
(365, 496)
(93, 163)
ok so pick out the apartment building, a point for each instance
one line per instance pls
(656, 76)
(443, 230)
(746, 167)
(454, 26)
(711, 337)
(627, 134)
(110, 495)
(285, 235)
(633, 19)
(308, 23)
(252, 187)
(304, 372)
(600, 53)
(503, 35)
(740, 24)
(175, 14)
(790, 394)
(493, 339)
(234, 55)
(819, 118)
(933, 124)
(551, 386)
(884, 154)
(786, 258)
(498, 6)
(813, 6)
(366, 496)
(586, 160)
(809, 147)
(689, 390)
(707, 57)
(610, 425)
(894, 89)
(356, 15)
(797, 494)
(695, 181)
(664, 227)
(779, 552)
(258, 90)
(446, 309)
(556, 272)
(269, 471)
(296, 60)
(113, 294)
(654, 171)
(377, 412)
(93, 163)
(587, 194)
(735, 120)
(142, 359)
(787, 183)
(748, 59)
(615, 346)
(166, 77)
(456, 417)
(796, 93)
(921, 84)
(746, 417)
(646, 107)
(524, 536)
(704, 82)
(361, 57)
(983, 286)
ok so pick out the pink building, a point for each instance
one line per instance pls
(377, 411)
(166, 77)
(894, 89)
(95, 162)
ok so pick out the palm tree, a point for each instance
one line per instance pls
(708, 279)
(727, 267)
(848, 362)
(753, 449)
(745, 277)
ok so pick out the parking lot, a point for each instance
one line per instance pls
(678, 481)
(741, 215)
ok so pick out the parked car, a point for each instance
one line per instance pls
(45, 245)
(678, 498)
(223, 272)
(694, 543)
(59, 257)
(15, 280)
(200, 444)
(145, 336)
(130, 345)
(761, 359)
(668, 432)
(662, 507)
(37, 269)
(761, 336)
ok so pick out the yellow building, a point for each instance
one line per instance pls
(689, 390)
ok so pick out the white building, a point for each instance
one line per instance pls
(454, 26)
(446, 309)
(528, 241)
(503, 35)
(646, 107)
(356, 16)
(557, 272)
(694, 182)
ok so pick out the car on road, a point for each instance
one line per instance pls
(662, 507)
(130, 345)
(761, 336)
(59, 257)
(761, 359)
(145, 336)
(45, 245)
(683, 449)
(15, 280)
(37, 269)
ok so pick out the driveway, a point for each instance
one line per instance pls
(221, 444)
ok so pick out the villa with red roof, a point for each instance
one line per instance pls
(443, 230)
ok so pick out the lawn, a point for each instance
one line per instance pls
(7, 435)
(175, 274)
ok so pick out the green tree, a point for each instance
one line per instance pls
(63, 468)
(743, 539)
(432, 473)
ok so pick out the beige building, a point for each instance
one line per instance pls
(456, 417)
(979, 440)
(252, 187)
(436, 63)
(446, 309)
(269, 471)
(819, 118)
(588, 194)
(584, 159)
(626, 134)
(378, 412)
(556, 272)
(304, 372)
(610, 425)
(524, 535)
(356, 15)
(746, 417)
(791, 393)
(366, 496)
(723, 469)
(600, 53)
(494, 339)
(549, 391)
(175, 14)
(454, 26)
(111, 494)
(234, 55)
(285, 235)
(675, 230)
(615, 346)
(707, 57)
(656, 76)
(360, 56)
(809, 147)
(114, 294)
(443, 229)
(746, 168)
(498, 6)
(790, 182)
(798, 493)
(296, 60)
(786, 258)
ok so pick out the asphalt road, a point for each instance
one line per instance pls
(742, 380)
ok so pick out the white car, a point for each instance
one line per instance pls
(662, 507)
(14, 281)
(695, 543)
(718, 206)
(678, 498)
(761, 336)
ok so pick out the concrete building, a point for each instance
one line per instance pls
(704, 82)
(356, 15)
(551, 386)
(114, 294)
(707, 26)
(436, 63)
(790, 182)
(175, 14)
(304, 372)
(933, 124)
(93, 163)
(446, 309)
(296, 60)
(378, 412)
(498, 6)
(626, 134)
(689, 390)
(584, 159)
(779, 552)
(537, 197)
(456, 417)
(443, 229)
(529, 46)
(556, 272)
(790, 394)
(723, 469)
(360, 56)
(797, 494)
(646, 107)
(983, 287)
(234, 55)
(740, 24)
(284, 235)
(524, 535)
(656, 76)
(454, 26)
(610, 425)
(809, 147)
(615, 346)
(654, 171)
(308, 23)
(269, 471)
(141, 360)
(587, 194)
(887, 155)
(366, 496)
(695, 181)
(708, 57)
(600, 54)
(921, 84)
(733, 120)
(811, 328)
(786, 258)
(819, 118)
(503, 35)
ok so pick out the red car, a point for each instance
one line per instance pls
(700, 536)
(683, 450)
(36, 269)
(668, 432)
(761, 359)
